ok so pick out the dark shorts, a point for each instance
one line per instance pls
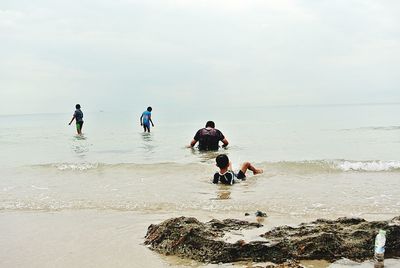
(240, 175)
(79, 125)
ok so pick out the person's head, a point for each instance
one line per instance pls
(222, 161)
(210, 124)
(78, 106)
(149, 109)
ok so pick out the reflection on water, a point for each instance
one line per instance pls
(205, 156)
(224, 194)
(260, 220)
(148, 142)
(80, 145)
(146, 136)
(80, 137)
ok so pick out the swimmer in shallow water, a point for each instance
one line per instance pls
(227, 176)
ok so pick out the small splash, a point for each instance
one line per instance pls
(80, 137)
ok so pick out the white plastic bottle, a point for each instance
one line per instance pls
(379, 256)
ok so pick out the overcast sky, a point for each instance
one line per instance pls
(119, 54)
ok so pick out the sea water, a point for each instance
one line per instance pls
(69, 200)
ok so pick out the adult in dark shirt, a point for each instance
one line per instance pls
(78, 116)
(209, 138)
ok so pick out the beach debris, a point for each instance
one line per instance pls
(258, 213)
(330, 240)
(261, 214)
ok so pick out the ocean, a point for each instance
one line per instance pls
(86, 201)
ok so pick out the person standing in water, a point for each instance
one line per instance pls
(145, 119)
(209, 138)
(78, 116)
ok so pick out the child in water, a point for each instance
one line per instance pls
(226, 175)
(145, 119)
(78, 116)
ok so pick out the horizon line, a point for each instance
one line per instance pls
(257, 106)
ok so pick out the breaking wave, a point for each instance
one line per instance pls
(322, 166)
(338, 166)
(369, 165)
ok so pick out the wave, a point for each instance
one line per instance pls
(312, 166)
(369, 166)
(86, 166)
(339, 166)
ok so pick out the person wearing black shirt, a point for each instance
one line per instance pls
(209, 138)
(225, 175)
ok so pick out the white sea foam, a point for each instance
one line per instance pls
(311, 166)
(323, 166)
(76, 166)
(368, 165)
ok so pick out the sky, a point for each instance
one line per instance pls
(124, 54)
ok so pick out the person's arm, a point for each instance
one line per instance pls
(192, 143)
(216, 178)
(225, 143)
(151, 121)
(223, 139)
(73, 117)
(141, 120)
(195, 139)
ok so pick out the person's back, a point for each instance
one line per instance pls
(209, 138)
(78, 115)
(228, 178)
(146, 116)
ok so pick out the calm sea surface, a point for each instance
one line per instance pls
(72, 201)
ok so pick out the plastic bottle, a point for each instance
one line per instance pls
(380, 241)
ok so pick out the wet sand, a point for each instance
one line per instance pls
(90, 238)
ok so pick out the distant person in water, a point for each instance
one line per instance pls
(226, 175)
(145, 119)
(78, 117)
(209, 138)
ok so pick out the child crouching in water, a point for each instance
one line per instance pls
(226, 175)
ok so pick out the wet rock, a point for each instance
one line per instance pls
(329, 240)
